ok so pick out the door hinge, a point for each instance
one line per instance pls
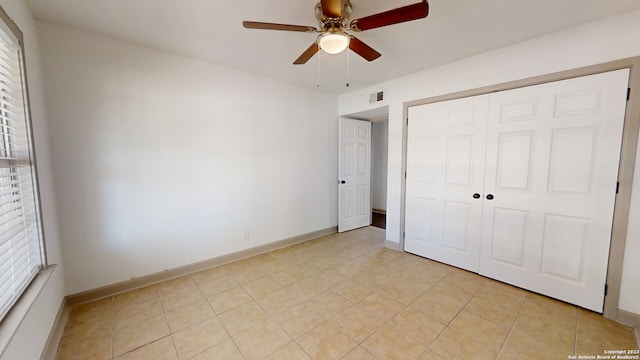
(618, 187)
(405, 175)
(606, 289)
(628, 94)
(403, 235)
(407, 121)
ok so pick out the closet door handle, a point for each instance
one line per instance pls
(489, 196)
(476, 196)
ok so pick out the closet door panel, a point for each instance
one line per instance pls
(508, 237)
(512, 227)
(552, 156)
(515, 160)
(445, 167)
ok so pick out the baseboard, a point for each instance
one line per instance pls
(379, 211)
(142, 281)
(55, 336)
(393, 245)
(630, 319)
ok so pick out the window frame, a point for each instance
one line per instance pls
(12, 32)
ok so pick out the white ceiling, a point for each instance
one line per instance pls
(212, 30)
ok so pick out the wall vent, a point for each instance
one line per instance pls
(376, 97)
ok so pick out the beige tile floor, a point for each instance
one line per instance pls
(342, 296)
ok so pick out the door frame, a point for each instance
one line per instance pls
(625, 172)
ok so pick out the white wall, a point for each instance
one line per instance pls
(589, 44)
(630, 292)
(379, 152)
(163, 161)
(29, 340)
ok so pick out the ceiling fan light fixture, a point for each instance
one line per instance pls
(334, 42)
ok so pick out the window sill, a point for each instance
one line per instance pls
(14, 318)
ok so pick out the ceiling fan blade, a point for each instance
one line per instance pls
(331, 8)
(395, 16)
(307, 54)
(274, 26)
(363, 49)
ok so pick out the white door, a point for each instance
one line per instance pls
(354, 174)
(445, 168)
(552, 164)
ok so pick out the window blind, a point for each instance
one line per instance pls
(21, 254)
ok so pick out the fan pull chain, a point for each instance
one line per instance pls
(347, 68)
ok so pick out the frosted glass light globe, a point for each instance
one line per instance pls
(334, 42)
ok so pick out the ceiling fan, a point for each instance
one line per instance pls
(334, 25)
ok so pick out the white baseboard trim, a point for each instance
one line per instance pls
(393, 245)
(55, 336)
(630, 319)
(142, 281)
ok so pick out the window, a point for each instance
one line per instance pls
(21, 245)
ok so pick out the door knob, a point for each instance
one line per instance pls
(342, 182)
(476, 196)
(489, 196)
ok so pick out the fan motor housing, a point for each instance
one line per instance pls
(347, 9)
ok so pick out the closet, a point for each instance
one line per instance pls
(520, 185)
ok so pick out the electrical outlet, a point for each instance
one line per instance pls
(245, 234)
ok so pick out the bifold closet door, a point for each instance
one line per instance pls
(552, 164)
(520, 185)
(445, 168)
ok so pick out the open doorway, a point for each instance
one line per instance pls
(379, 151)
(379, 119)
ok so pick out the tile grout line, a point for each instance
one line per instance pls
(175, 349)
(271, 317)
(217, 317)
(113, 327)
(575, 340)
(428, 347)
(350, 278)
(358, 344)
(513, 325)
(166, 322)
(448, 325)
(164, 317)
(325, 320)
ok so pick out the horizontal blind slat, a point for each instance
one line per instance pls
(11, 241)
(6, 279)
(12, 232)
